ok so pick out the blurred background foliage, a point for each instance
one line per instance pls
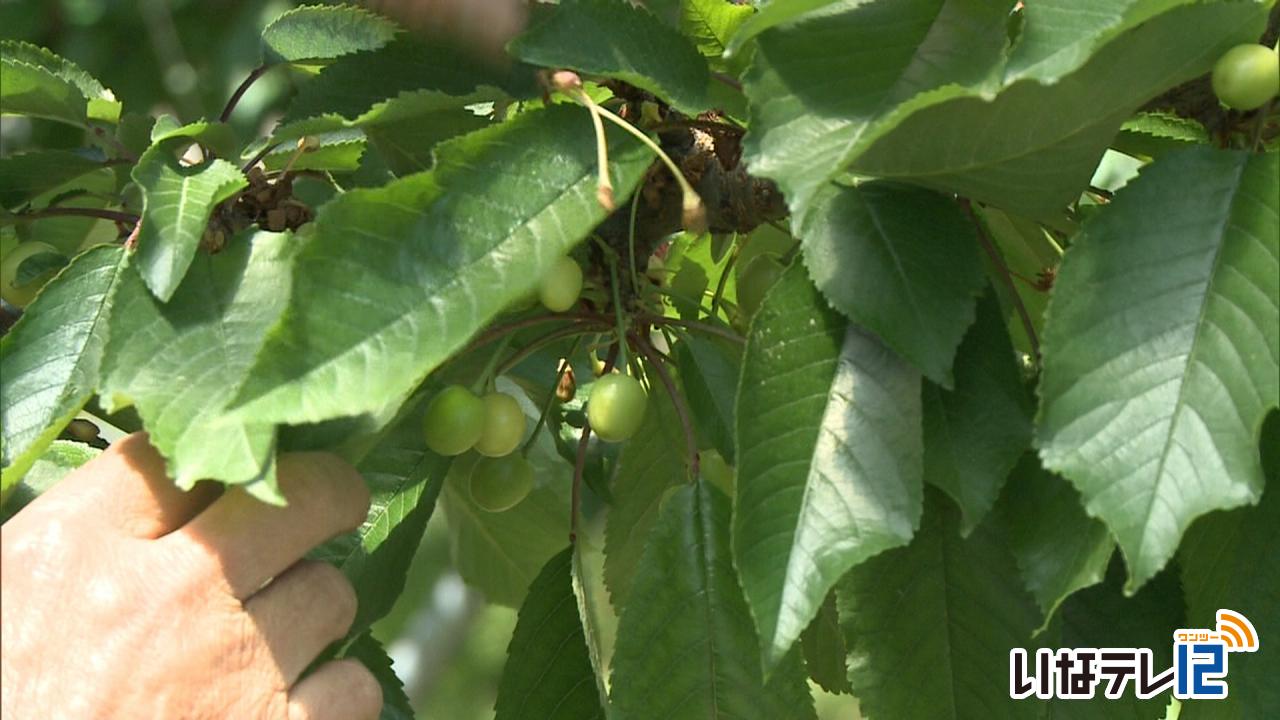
(185, 58)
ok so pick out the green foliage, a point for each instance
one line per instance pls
(829, 472)
(314, 33)
(930, 624)
(617, 40)
(34, 81)
(690, 650)
(548, 673)
(1151, 344)
(950, 242)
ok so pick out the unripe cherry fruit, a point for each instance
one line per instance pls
(561, 286)
(499, 484)
(616, 407)
(503, 425)
(16, 296)
(454, 421)
(1247, 76)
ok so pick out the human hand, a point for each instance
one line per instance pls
(123, 597)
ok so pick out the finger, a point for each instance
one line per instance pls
(128, 487)
(299, 613)
(340, 690)
(249, 542)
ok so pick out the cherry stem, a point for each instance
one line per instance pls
(551, 397)
(608, 114)
(483, 382)
(1005, 274)
(705, 328)
(580, 460)
(660, 369)
(500, 331)
(120, 217)
(724, 278)
(240, 91)
(536, 345)
(621, 324)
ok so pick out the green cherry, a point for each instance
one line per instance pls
(454, 421)
(499, 484)
(1247, 76)
(616, 407)
(503, 425)
(561, 286)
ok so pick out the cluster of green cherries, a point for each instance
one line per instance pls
(458, 420)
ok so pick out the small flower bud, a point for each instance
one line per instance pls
(604, 195)
(565, 80)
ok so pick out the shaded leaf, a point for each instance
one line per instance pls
(709, 371)
(1160, 354)
(548, 673)
(404, 480)
(438, 255)
(1058, 548)
(829, 457)
(1229, 560)
(987, 150)
(25, 176)
(930, 626)
(807, 125)
(50, 360)
(620, 41)
(353, 84)
(178, 363)
(651, 462)
(974, 434)
(371, 653)
(324, 32)
(686, 644)
(1102, 617)
(824, 649)
(901, 262)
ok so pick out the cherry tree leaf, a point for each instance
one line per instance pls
(829, 457)
(649, 464)
(25, 176)
(901, 262)
(618, 40)
(929, 626)
(179, 363)
(1228, 560)
(51, 359)
(404, 480)
(1162, 349)
(686, 644)
(178, 201)
(371, 654)
(927, 92)
(1058, 548)
(975, 433)
(35, 82)
(438, 255)
(548, 675)
(314, 33)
